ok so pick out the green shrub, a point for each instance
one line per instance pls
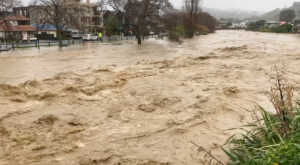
(255, 26)
(112, 26)
(202, 30)
(265, 29)
(285, 28)
(176, 33)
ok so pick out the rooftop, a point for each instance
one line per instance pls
(19, 28)
(16, 18)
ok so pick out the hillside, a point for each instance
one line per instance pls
(271, 16)
(236, 14)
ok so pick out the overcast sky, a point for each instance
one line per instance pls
(254, 5)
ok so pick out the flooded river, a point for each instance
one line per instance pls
(27, 64)
(108, 104)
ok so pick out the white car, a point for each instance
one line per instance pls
(90, 37)
(76, 35)
(31, 38)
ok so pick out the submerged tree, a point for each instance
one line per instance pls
(173, 22)
(208, 20)
(141, 15)
(192, 9)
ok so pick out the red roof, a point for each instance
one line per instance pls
(20, 28)
(25, 28)
(16, 18)
(5, 24)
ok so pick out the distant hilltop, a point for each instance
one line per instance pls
(235, 14)
(274, 14)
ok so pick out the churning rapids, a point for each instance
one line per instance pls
(121, 104)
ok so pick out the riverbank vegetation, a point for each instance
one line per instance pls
(189, 22)
(274, 139)
(286, 24)
(261, 26)
(160, 17)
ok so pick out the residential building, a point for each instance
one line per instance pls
(272, 24)
(24, 11)
(45, 31)
(16, 27)
(90, 15)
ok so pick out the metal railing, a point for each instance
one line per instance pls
(49, 43)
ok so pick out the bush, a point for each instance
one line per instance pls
(274, 139)
(176, 33)
(255, 26)
(202, 30)
(112, 26)
(208, 21)
(265, 29)
(285, 28)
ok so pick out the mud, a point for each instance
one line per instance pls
(145, 107)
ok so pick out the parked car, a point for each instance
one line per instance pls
(29, 38)
(90, 37)
(77, 35)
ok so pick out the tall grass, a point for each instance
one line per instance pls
(274, 139)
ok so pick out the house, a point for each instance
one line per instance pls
(48, 31)
(272, 24)
(43, 30)
(90, 18)
(24, 11)
(224, 24)
(239, 25)
(16, 27)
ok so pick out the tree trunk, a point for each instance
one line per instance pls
(58, 36)
(139, 40)
(138, 35)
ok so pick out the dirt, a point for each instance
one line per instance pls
(148, 110)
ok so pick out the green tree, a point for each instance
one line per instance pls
(192, 9)
(141, 15)
(256, 25)
(287, 15)
(112, 25)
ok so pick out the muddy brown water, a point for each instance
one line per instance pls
(27, 64)
(108, 104)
